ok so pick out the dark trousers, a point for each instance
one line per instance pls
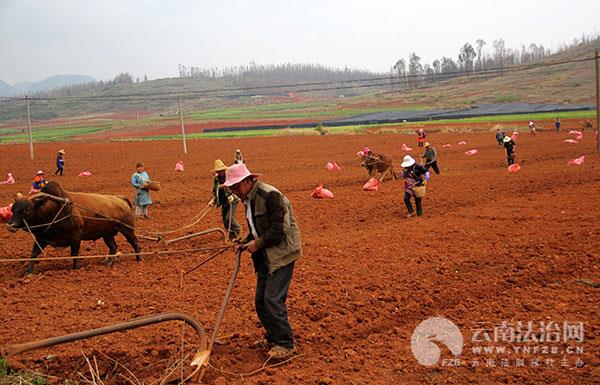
(226, 211)
(271, 293)
(409, 205)
(58, 171)
(434, 166)
(500, 142)
(510, 158)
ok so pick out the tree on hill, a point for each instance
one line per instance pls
(466, 56)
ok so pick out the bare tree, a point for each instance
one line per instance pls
(466, 56)
(414, 69)
(480, 62)
(499, 52)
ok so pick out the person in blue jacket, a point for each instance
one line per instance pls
(142, 199)
(60, 162)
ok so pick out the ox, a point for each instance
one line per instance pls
(60, 219)
(375, 163)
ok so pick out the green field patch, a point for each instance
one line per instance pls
(52, 134)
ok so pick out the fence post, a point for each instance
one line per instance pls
(29, 127)
(182, 126)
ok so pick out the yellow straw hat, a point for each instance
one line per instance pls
(219, 166)
(61, 151)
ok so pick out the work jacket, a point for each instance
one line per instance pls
(278, 234)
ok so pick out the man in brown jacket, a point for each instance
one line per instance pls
(274, 241)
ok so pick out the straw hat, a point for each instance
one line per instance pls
(61, 151)
(219, 166)
(427, 144)
(237, 173)
(40, 172)
(408, 161)
(507, 139)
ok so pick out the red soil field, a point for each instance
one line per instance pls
(492, 247)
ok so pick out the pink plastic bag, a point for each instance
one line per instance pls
(577, 162)
(470, 152)
(371, 185)
(404, 147)
(332, 166)
(570, 141)
(462, 142)
(85, 173)
(447, 145)
(179, 166)
(366, 150)
(321, 193)
(514, 168)
(5, 213)
(578, 134)
(9, 179)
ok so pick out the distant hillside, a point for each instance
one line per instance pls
(48, 84)
(538, 81)
(6, 89)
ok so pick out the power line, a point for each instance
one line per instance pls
(297, 88)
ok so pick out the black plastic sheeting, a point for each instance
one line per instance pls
(423, 115)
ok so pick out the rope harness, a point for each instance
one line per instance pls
(101, 217)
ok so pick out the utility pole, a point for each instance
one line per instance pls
(182, 126)
(29, 127)
(598, 101)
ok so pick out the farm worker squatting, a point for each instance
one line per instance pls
(413, 176)
(238, 158)
(274, 241)
(38, 182)
(141, 200)
(225, 200)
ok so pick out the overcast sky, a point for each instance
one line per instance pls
(102, 38)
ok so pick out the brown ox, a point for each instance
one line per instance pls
(375, 163)
(59, 218)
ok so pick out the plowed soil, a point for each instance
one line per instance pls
(491, 247)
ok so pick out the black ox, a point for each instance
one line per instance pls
(60, 219)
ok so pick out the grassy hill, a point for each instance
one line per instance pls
(151, 107)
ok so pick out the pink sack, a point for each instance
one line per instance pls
(570, 141)
(332, 166)
(371, 185)
(360, 154)
(447, 145)
(9, 179)
(577, 162)
(5, 213)
(514, 168)
(179, 166)
(514, 136)
(404, 147)
(85, 173)
(321, 193)
(462, 142)
(366, 150)
(470, 152)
